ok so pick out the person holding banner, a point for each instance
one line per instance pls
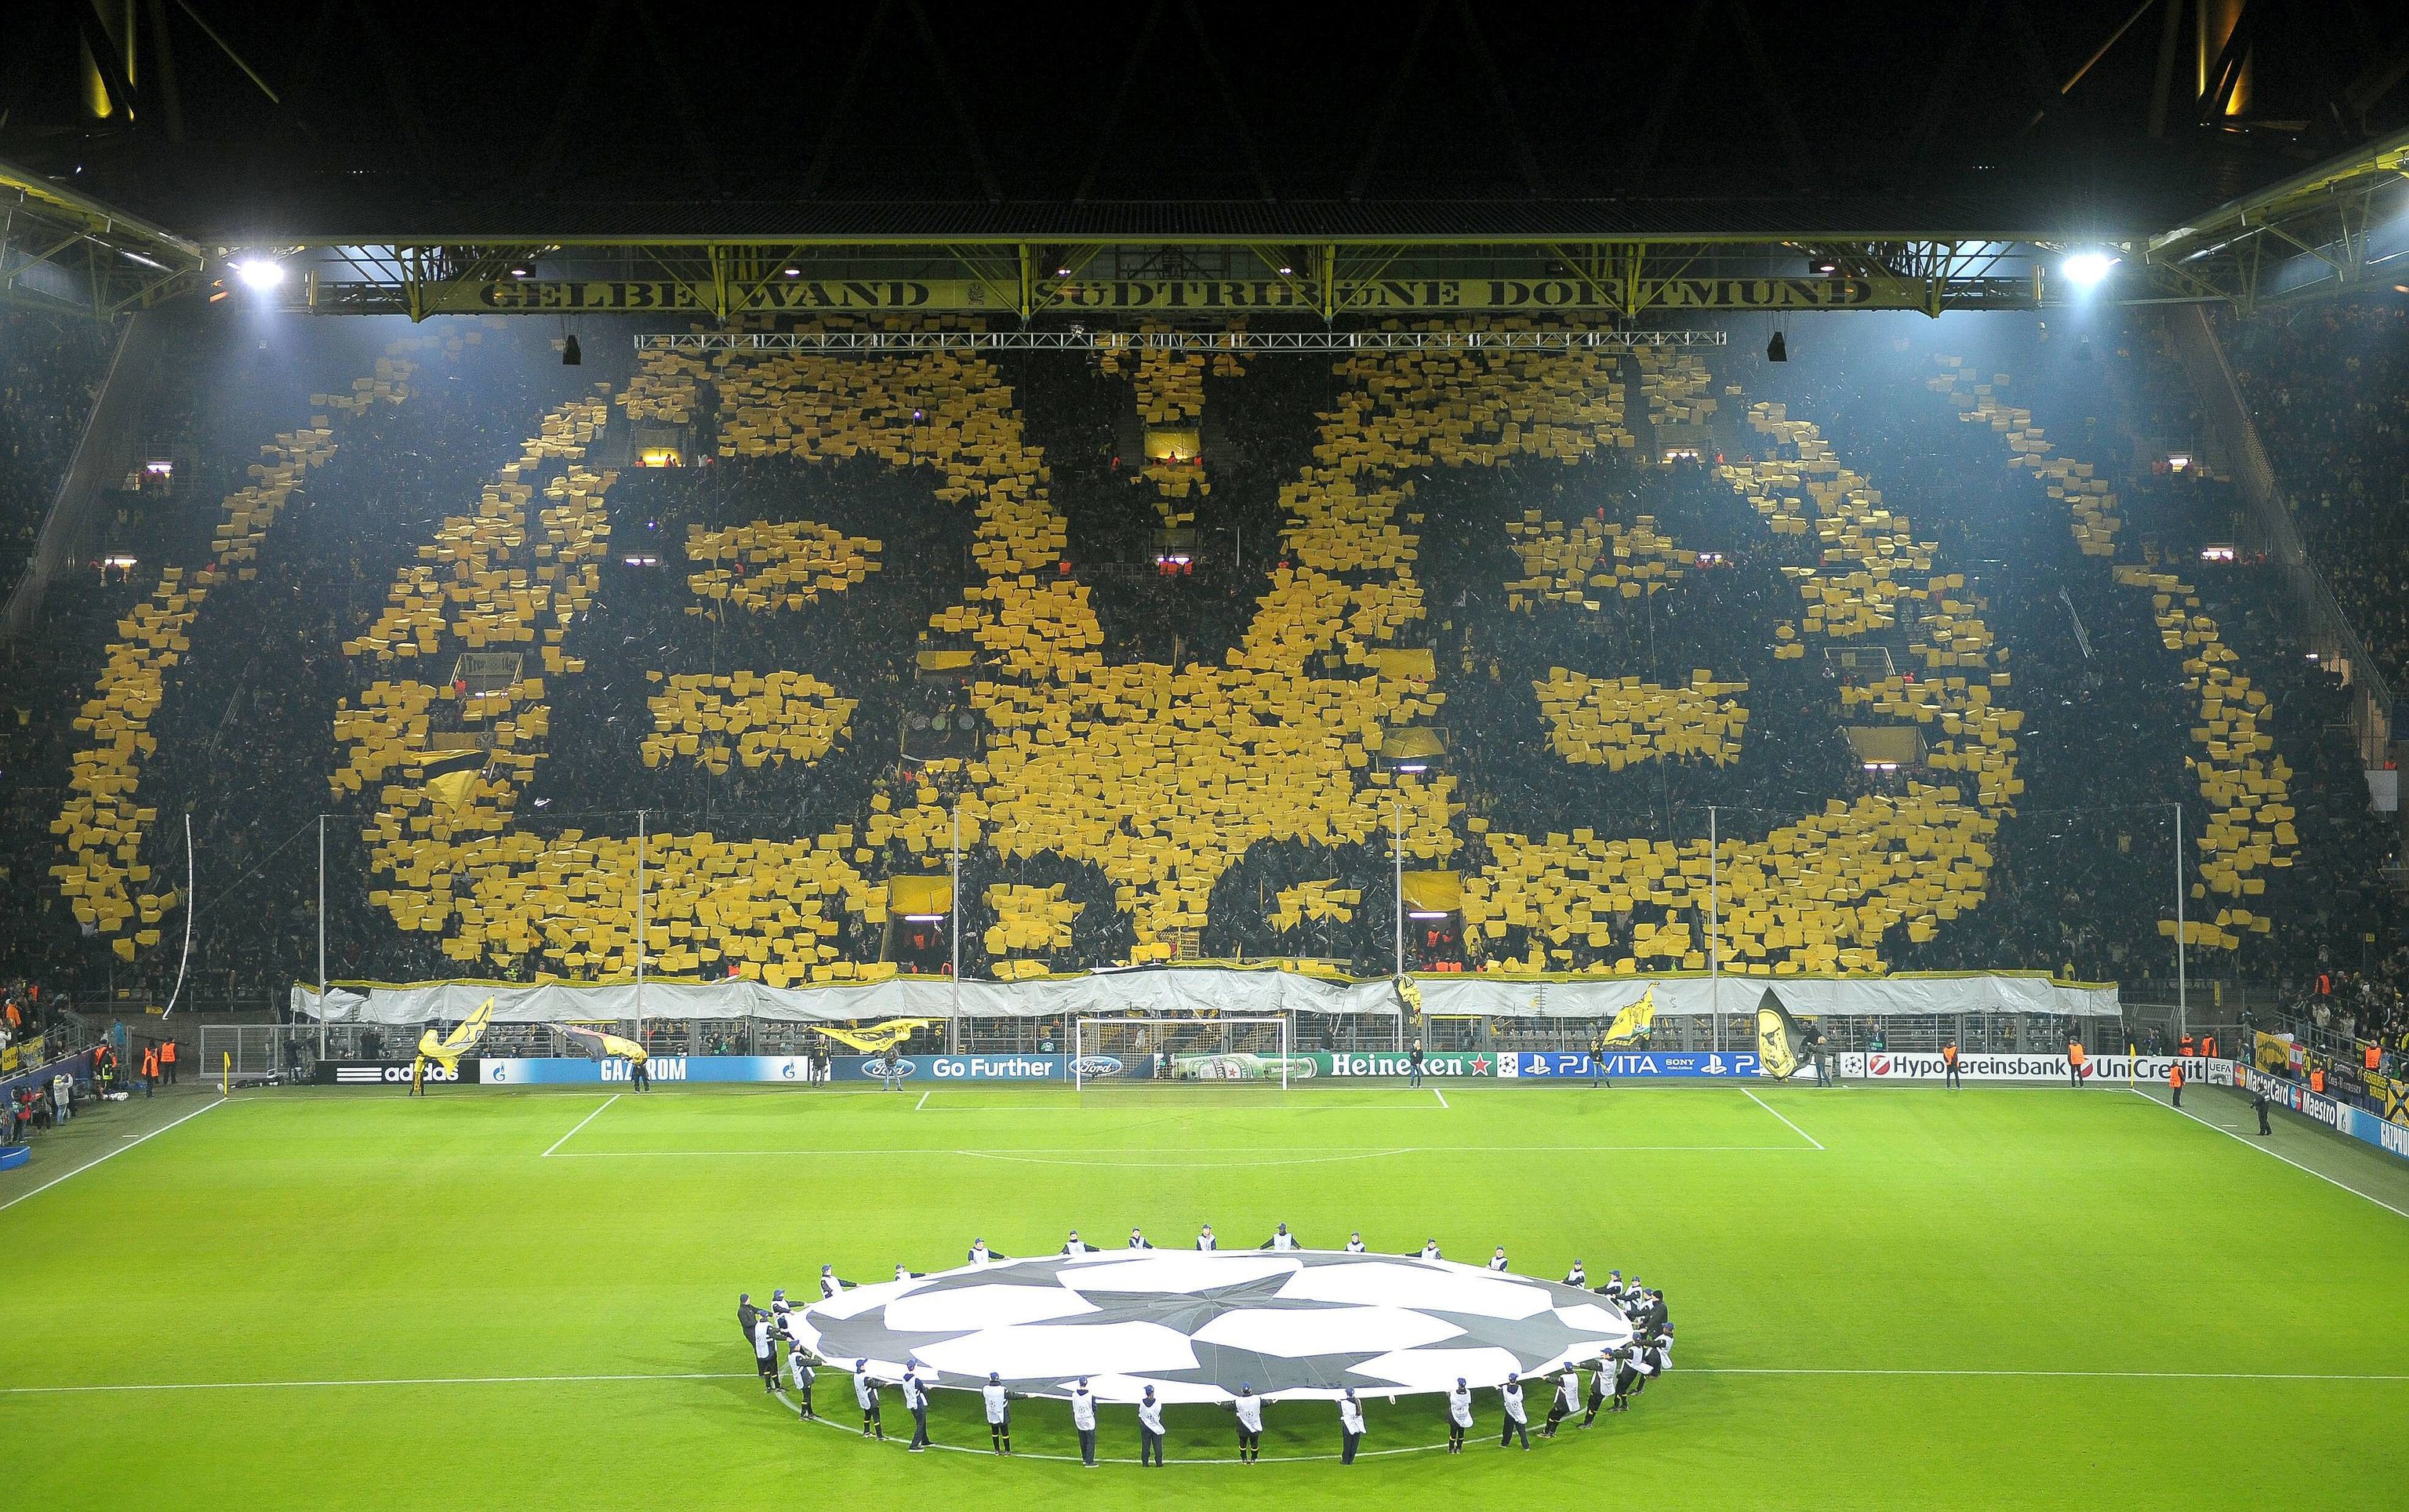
(1149, 1431)
(1459, 1416)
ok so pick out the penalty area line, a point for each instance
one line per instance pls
(1441, 1096)
(1786, 1123)
(580, 1123)
(2253, 1143)
(130, 1143)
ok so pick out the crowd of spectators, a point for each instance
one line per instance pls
(2081, 874)
(2328, 387)
(51, 370)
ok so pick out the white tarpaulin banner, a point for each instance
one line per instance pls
(1199, 989)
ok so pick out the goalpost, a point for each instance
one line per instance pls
(1186, 1048)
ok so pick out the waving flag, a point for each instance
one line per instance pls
(1781, 1042)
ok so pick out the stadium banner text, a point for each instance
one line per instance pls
(1985, 1066)
(2360, 1124)
(1174, 296)
(78, 1065)
(1573, 1065)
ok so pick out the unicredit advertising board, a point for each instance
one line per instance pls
(1992, 1066)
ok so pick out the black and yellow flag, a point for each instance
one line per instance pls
(1781, 1043)
(1633, 1025)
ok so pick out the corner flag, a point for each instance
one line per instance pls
(1780, 1040)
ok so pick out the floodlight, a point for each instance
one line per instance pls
(2085, 269)
(261, 273)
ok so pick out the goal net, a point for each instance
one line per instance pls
(1218, 1050)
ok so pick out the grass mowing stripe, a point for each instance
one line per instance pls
(582, 1122)
(389, 1380)
(111, 1155)
(1777, 1112)
(1246, 1155)
(1970, 1372)
(2264, 1150)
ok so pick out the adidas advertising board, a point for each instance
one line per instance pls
(385, 1073)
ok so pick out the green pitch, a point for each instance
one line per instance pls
(2003, 1297)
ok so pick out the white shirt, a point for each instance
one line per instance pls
(829, 1287)
(996, 1407)
(1206, 1240)
(1568, 1389)
(865, 1391)
(1664, 1354)
(1577, 1277)
(1354, 1247)
(1251, 1413)
(1076, 1247)
(1497, 1263)
(1459, 1406)
(762, 1347)
(1083, 1410)
(979, 1255)
(1430, 1252)
(800, 1368)
(1283, 1240)
(1350, 1415)
(915, 1393)
(1150, 1415)
(902, 1273)
(1513, 1395)
(1137, 1240)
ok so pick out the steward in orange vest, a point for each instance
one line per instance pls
(2175, 1081)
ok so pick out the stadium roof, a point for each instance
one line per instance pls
(1698, 218)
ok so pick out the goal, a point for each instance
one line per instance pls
(1184, 1049)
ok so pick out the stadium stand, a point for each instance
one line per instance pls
(50, 369)
(1926, 628)
(2328, 386)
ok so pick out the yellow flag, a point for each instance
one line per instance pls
(877, 1037)
(451, 788)
(447, 1049)
(1631, 1026)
